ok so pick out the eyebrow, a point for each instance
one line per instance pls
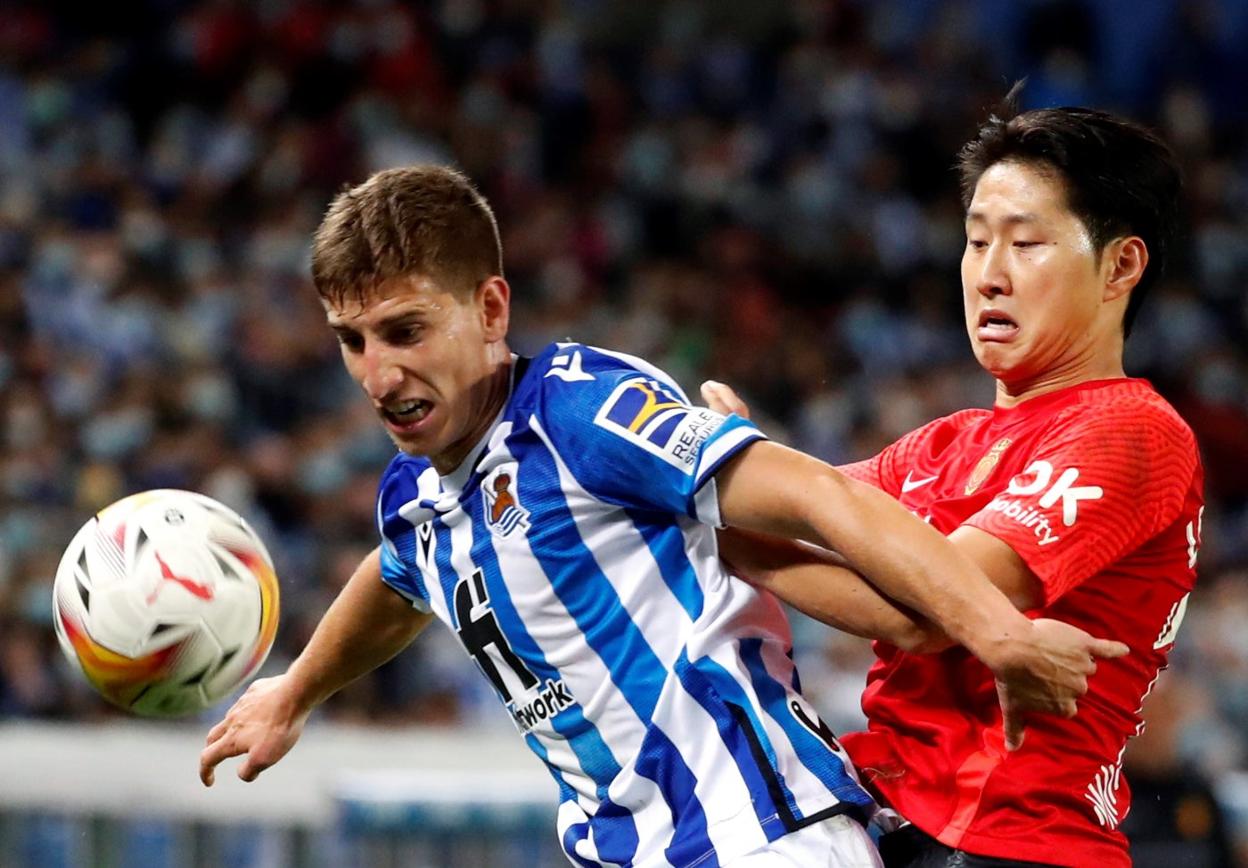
(1010, 219)
(403, 318)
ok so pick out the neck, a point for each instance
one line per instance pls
(490, 394)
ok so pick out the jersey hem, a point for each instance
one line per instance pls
(1089, 853)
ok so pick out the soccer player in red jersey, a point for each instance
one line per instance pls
(1078, 493)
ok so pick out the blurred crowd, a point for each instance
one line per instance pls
(751, 191)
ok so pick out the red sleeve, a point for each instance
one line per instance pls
(867, 471)
(879, 470)
(882, 470)
(1104, 480)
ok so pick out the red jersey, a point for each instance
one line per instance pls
(1098, 488)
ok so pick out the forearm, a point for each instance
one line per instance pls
(365, 626)
(902, 556)
(817, 583)
(917, 566)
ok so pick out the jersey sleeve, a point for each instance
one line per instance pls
(630, 436)
(398, 535)
(881, 470)
(1102, 483)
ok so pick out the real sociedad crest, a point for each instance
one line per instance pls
(503, 512)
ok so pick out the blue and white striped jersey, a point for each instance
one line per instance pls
(574, 555)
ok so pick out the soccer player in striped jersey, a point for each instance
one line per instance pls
(557, 513)
(1079, 494)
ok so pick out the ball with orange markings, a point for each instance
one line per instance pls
(166, 601)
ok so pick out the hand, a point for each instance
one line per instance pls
(1047, 671)
(264, 724)
(722, 399)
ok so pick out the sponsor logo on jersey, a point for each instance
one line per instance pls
(986, 465)
(553, 698)
(1038, 479)
(909, 484)
(1028, 517)
(568, 368)
(1102, 793)
(648, 414)
(503, 513)
(1063, 489)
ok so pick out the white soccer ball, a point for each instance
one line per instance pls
(166, 601)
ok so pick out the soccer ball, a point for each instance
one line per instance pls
(166, 601)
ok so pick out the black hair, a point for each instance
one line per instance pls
(1121, 179)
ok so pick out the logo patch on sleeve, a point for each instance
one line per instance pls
(650, 415)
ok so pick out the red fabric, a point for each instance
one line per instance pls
(1098, 488)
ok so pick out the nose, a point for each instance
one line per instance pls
(994, 276)
(381, 375)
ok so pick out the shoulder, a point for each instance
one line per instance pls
(941, 432)
(569, 384)
(399, 482)
(1129, 410)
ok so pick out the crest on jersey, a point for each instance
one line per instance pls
(503, 513)
(986, 465)
(651, 415)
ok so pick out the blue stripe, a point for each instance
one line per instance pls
(592, 753)
(577, 831)
(667, 544)
(698, 684)
(816, 756)
(585, 592)
(566, 793)
(571, 835)
(447, 577)
(660, 761)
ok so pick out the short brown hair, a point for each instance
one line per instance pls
(424, 219)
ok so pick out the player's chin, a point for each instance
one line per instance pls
(999, 360)
(411, 444)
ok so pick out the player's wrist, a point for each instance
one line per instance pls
(1003, 644)
(301, 693)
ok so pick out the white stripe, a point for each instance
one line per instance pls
(565, 648)
(630, 568)
(661, 618)
(712, 452)
(646, 368)
(768, 623)
(706, 506)
(732, 824)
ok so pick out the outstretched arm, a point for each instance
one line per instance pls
(820, 584)
(1039, 666)
(366, 625)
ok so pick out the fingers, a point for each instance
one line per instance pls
(1108, 649)
(722, 399)
(250, 769)
(216, 732)
(212, 755)
(1012, 724)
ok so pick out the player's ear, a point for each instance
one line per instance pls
(1122, 263)
(493, 301)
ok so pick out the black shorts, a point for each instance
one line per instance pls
(911, 847)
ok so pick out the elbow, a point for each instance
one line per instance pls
(919, 637)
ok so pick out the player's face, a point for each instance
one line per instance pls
(429, 360)
(1032, 284)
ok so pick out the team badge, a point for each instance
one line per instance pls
(986, 465)
(651, 415)
(503, 512)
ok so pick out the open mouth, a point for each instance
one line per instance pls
(403, 414)
(994, 325)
